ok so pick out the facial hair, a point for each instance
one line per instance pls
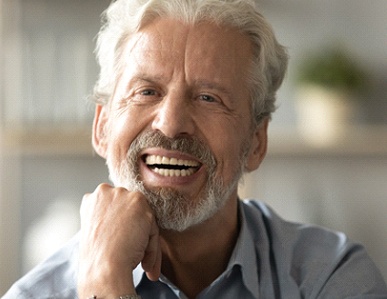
(173, 210)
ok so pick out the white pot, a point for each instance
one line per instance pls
(324, 115)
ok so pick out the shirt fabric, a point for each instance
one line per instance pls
(272, 258)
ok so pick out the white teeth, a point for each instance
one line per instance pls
(161, 160)
(152, 160)
(165, 160)
(174, 172)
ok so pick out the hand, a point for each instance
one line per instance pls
(118, 231)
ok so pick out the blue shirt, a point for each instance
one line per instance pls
(272, 258)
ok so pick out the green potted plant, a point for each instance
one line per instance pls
(328, 83)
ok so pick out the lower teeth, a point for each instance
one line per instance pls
(174, 172)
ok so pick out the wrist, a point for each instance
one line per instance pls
(103, 283)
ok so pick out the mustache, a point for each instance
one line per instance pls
(185, 144)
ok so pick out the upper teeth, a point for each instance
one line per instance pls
(161, 160)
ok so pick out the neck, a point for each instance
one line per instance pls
(193, 259)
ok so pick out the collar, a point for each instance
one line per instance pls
(138, 274)
(244, 256)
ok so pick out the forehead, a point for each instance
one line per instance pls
(168, 46)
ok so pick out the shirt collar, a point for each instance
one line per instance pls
(243, 255)
(138, 275)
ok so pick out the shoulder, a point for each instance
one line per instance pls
(314, 259)
(53, 278)
(294, 244)
(292, 236)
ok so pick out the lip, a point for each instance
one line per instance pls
(154, 179)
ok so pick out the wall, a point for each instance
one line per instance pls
(360, 26)
(52, 190)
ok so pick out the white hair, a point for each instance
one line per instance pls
(125, 17)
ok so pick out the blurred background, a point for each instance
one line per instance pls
(325, 166)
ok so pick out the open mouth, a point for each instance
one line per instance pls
(171, 167)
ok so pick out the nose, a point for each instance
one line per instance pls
(174, 116)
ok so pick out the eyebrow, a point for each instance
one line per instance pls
(144, 78)
(200, 83)
(213, 86)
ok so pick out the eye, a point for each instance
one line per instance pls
(148, 92)
(207, 98)
(146, 95)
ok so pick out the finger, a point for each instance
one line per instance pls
(151, 262)
(151, 251)
(154, 273)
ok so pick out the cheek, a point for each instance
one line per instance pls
(126, 125)
(121, 133)
(227, 149)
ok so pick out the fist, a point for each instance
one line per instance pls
(118, 231)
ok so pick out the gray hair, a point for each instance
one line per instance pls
(125, 17)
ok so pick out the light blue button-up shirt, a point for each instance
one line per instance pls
(239, 280)
(272, 258)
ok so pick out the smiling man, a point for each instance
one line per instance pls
(185, 94)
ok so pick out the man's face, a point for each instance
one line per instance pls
(178, 127)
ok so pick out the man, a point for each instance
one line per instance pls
(185, 94)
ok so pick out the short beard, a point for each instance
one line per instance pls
(173, 210)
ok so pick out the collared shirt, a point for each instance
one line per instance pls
(272, 258)
(239, 280)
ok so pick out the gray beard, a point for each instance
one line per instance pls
(174, 211)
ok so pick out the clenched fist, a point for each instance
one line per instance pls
(118, 231)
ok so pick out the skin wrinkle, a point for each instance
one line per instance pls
(142, 36)
(198, 83)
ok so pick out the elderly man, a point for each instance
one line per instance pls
(185, 94)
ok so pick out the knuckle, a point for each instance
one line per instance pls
(102, 188)
(140, 205)
(119, 191)
(139, 200)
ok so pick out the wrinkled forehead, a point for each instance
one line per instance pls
(218, 51)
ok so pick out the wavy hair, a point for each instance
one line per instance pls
(125, 17)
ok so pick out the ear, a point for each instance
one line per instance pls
(99, 138)
(258, 147)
